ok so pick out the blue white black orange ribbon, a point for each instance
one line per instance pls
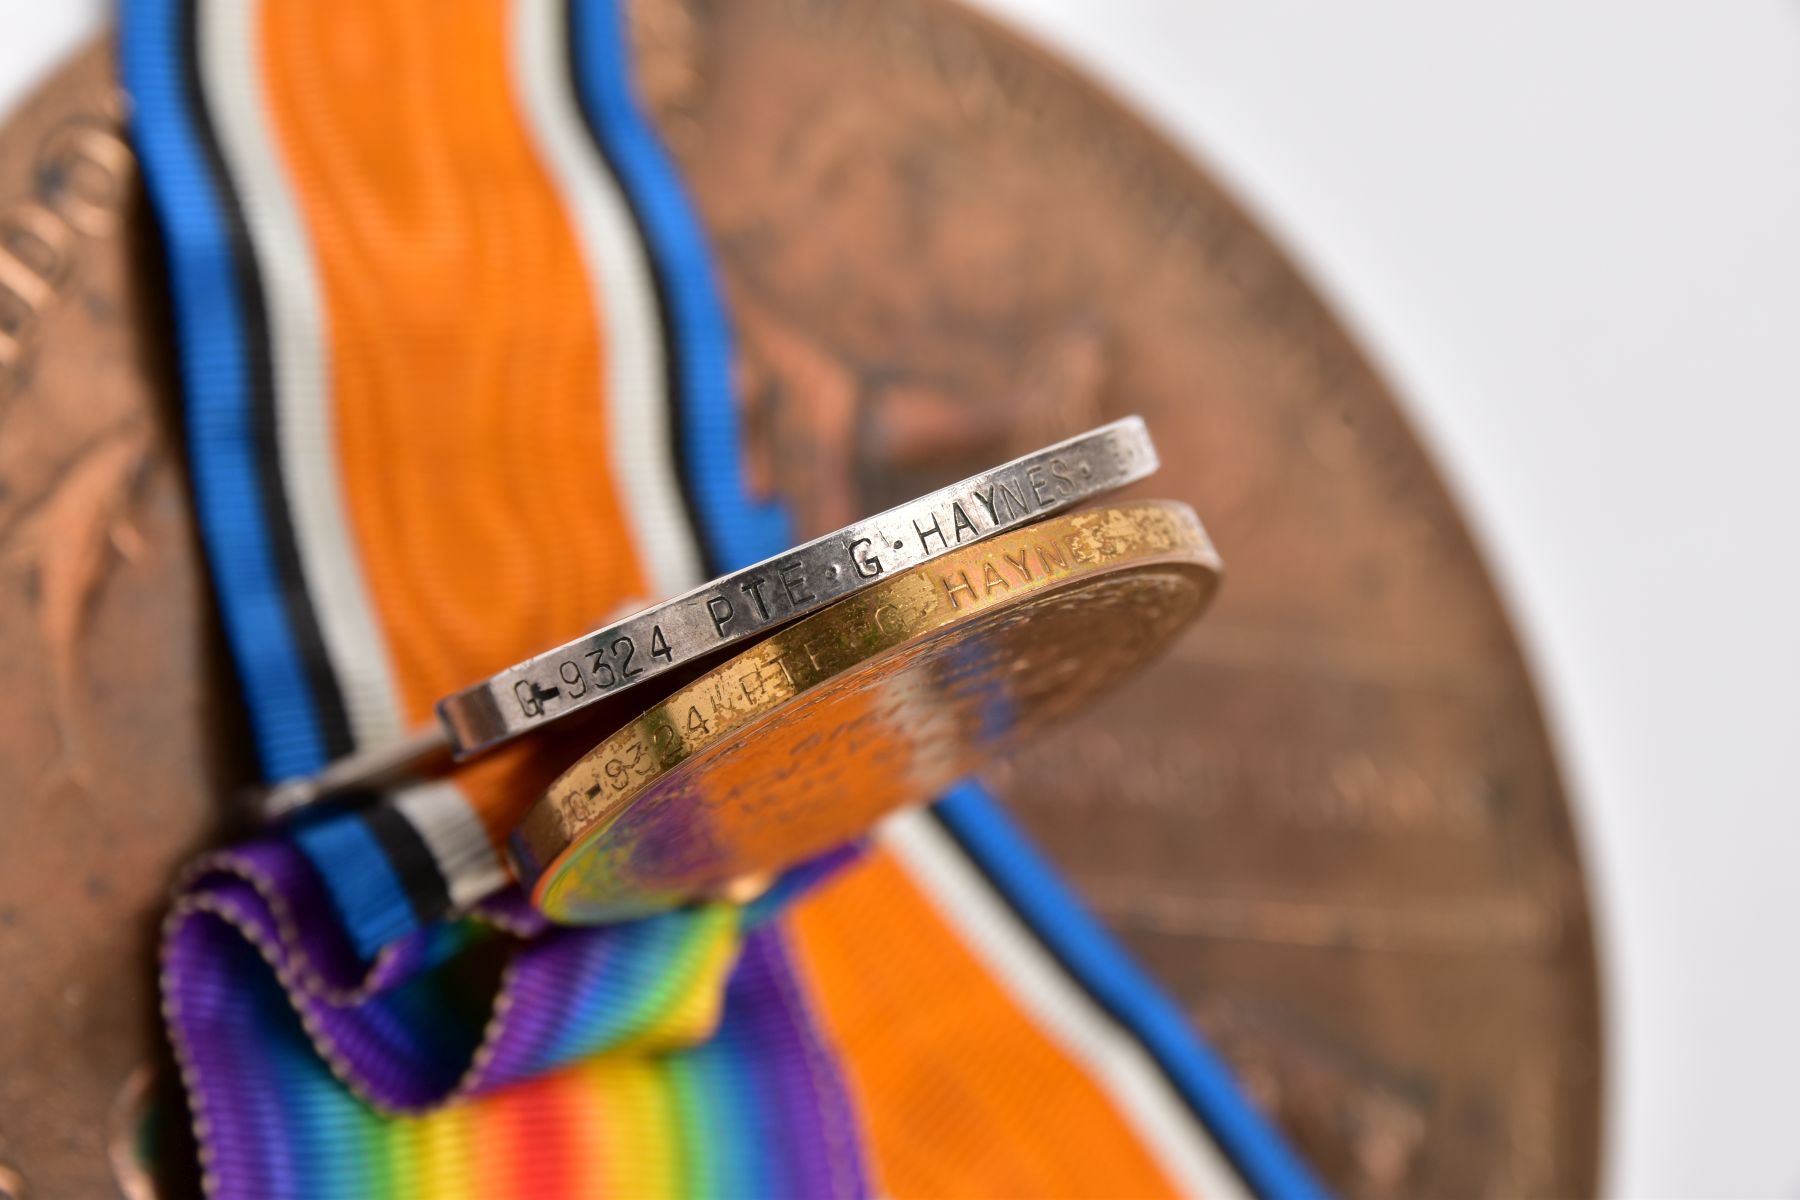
(431, 270)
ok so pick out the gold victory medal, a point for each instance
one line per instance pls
(880, 701)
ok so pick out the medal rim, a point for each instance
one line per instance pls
(548, 841)
(476, 718)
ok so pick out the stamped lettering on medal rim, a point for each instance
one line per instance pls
(790, 586)
(870, 705)
(1013, 495)
(1008, 566)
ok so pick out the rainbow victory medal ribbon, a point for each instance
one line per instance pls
(455, 382)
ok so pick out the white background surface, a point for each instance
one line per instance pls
(1570, 234)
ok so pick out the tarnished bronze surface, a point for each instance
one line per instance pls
(1331, 819)
(113, 740)
(1332, 825)
(880, 701)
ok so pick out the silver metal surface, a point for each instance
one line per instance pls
(791, 585)
(617, 657)
(387, 763)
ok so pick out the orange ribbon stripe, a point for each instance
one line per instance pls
(466, 363)
(962, 1095)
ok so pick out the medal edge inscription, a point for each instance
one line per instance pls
(580, 805)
